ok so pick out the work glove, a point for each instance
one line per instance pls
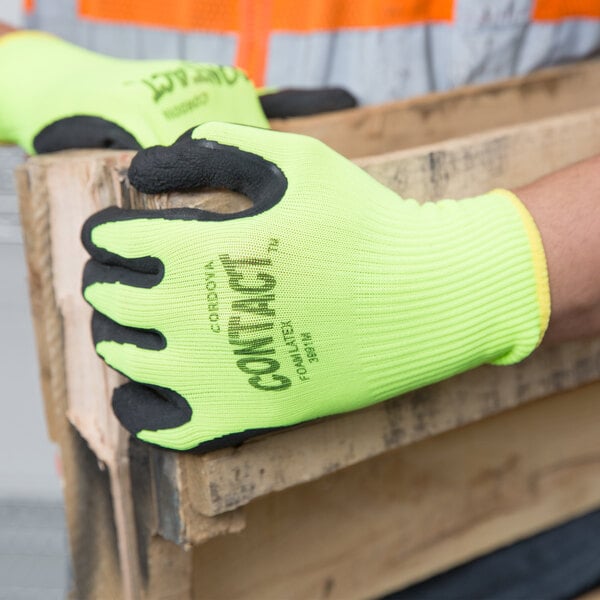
(57, 96)
(329, 294)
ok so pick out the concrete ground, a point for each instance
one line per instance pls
(33, 550)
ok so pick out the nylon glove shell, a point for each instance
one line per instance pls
(330, 294)
(57, 95)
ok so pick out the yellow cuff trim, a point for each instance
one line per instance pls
(538, 256)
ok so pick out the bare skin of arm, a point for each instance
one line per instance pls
(566, 208)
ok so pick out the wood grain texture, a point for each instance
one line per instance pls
(50, 230)
(191, 499)
(52, 212)
(504, 157)
(57, 193)
(199, 487)
(89, 509)
(389, 522)
(373, 130)
(165, 569)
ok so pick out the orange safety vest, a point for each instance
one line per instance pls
(380, 49)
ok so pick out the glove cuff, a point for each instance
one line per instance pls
(467, 285)
(540, 268)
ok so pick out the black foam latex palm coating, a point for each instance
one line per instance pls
(191, 164)
(105, 329)
(141, 407)
(300, 102)
(106, 267)
(83, 131)
(144, 272)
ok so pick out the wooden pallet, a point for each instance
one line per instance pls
(354, 505)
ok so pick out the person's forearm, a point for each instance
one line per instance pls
(566, 208)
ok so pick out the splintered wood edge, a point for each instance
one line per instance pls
(176, 520)
(34, 212)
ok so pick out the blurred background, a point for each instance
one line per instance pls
(33, 546)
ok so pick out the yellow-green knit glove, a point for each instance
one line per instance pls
(329, 294)
(56, 95)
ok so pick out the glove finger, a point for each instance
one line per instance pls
(122, 239)
(105, 329)
(127, 305)
(230, 157)
(97, 272)
(139, 364)
(139, 407)
(162, 414)
(299, 102)
(83, 132)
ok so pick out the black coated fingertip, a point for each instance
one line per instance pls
(161, 169)
(304, 102)
(107, 330)
(142, 273)
(140, 407)
(196, 164)
(155, 170)
(83, 131)
(89, 275)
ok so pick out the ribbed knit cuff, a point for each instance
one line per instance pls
(464, 285)
(538, 256)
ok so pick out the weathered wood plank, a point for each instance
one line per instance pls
(75, 385)
(228, 479)
(504, 157)
(51, 213)
(372, 130)
(413, 512)
(57, 335)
